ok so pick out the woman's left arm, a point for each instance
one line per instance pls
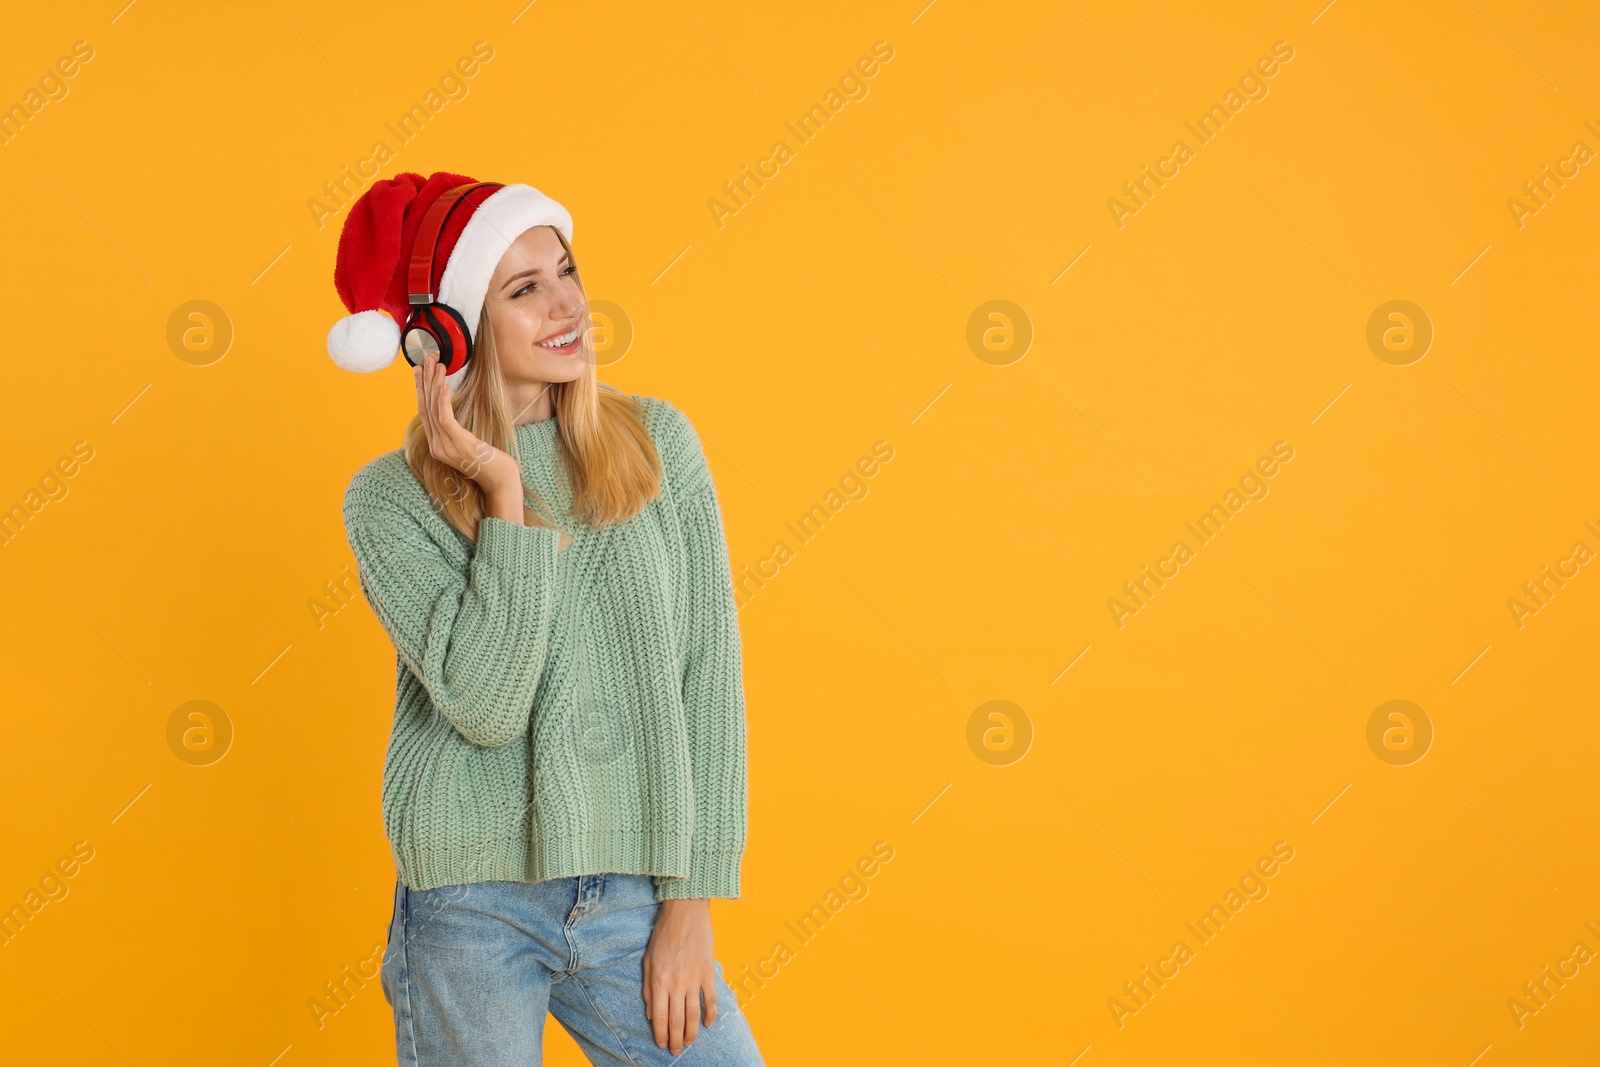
(678, 964)
(713, 702)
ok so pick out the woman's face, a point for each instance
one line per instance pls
(534, 302)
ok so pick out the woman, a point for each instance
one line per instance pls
(564, 790)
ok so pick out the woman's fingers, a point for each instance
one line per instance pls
(444, 414)
(691, 1016)
(710, 989)
(427, 388)
(667, 1012)
(441, 408)
(441, 405)
(675, 1020)
(419, 375)
(449, 441)
(435, 414)
(447, 434)
(659, 1015)
(429, 422)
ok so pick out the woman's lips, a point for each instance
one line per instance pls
(567, 349)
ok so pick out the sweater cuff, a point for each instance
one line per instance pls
(514, 547)
(712, 873)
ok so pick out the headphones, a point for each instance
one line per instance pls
(435, 328)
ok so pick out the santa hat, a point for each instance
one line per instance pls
(374, 256)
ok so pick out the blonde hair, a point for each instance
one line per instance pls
(610, 461)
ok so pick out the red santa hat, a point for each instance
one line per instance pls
(374, 255)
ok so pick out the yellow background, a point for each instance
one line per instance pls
(828, 314)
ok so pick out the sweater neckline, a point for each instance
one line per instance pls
(538, 432)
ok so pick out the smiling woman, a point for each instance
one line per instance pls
(566, 765)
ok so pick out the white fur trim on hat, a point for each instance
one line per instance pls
(498, 221)
(364, 342)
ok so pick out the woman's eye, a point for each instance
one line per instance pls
(534, 285)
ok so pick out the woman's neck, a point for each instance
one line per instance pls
(531, 402)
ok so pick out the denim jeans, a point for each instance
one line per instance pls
(471, 970)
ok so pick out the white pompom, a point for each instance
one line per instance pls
(364, 342)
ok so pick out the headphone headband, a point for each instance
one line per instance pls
(425, 246)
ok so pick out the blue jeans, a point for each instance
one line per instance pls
(471, 970)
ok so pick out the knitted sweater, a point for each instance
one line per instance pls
(560, 712)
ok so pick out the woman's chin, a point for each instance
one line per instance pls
(545, 367)
(562, 368)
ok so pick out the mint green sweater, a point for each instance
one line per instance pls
(564, 712)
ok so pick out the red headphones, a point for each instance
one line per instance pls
(433, 327)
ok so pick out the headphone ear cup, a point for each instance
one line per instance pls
(451, 327)
(438, 329)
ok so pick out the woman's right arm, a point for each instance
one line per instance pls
(477, 641)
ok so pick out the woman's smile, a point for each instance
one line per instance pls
(564, 343)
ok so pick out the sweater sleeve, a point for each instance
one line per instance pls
(477, 640)
(713, 686)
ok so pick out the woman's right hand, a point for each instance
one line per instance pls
(496, 472)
